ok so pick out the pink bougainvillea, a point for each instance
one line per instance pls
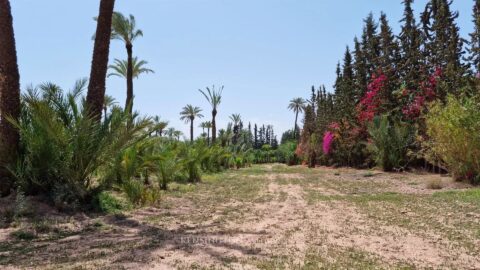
(370, 104)
(327, 142)
(418, 99)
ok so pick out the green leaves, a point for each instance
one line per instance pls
(454, 130)
(390, 141)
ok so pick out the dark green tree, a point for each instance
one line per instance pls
(410, 39)
(444, 46)
(474, 45)
(370, 45)
(359, 70)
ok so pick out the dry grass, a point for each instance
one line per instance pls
(268, 217)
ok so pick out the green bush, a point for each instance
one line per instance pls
(286, 153)
(139, 194)
(454, 129)
(63, 150)
(112, 204)
(390, 141)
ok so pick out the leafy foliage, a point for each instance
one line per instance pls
(390, 141)
(454, 130)
(64, 151)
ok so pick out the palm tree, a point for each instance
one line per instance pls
(177, 134)
(188, 114)
(208, 126)
(203, 126)
(10, 97)
(98, 72)
(214, 97)
(120, 68)
(297, 105)
(124, 29)
(236, 119)
(160, 125)
(108, 101)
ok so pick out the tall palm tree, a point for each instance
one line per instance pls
(120, 68)
(124, 29)
(10, 97)
(98, 72)
(297, 105)
(214, 97)
(188, 114)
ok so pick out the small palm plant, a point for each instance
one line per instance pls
(188, 114)
(169, 164)
(65, 151)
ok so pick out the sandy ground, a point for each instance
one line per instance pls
(271, 217)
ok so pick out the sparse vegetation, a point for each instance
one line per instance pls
(88, 184)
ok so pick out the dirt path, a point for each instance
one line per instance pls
(276, 217)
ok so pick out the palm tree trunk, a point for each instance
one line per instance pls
(295, 128)
(214, 126)
(129, 100)
(98, 72)
(10, 97)
(208, 136)
(191, 130)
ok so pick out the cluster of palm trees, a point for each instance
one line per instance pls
(189, 113)
(125, 29)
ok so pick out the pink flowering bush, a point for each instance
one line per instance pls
(370, 104)
(327, 142)
(417, 100)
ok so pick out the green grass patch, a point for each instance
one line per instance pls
(468, 196)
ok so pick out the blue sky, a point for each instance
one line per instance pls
(264, 52)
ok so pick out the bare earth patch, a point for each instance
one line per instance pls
(270, 217)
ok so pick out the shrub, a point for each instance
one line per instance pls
(390, 141)
(454, 129)
(286, 153)
(435, 184)
(139, 194)
(111, 204)
(168, 165)
(63, 150)
(192, 156)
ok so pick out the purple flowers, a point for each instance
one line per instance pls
(327, 142)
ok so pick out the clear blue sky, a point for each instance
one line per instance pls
(265, 52)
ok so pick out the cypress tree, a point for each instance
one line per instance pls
(255, 140)
(348, 85)
(474, 46)
(370, 45)
(444, 45)
(410, 48)
(360, 70)
(388, 60)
